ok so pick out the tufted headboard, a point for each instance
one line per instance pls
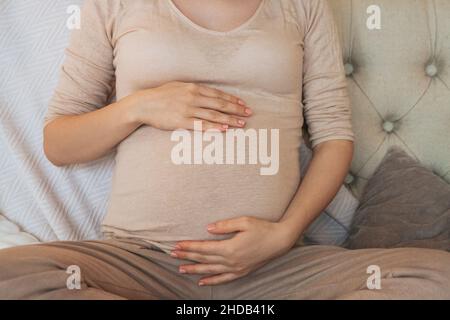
(399, 81)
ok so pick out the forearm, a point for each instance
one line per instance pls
(326, 173)
(89, 136)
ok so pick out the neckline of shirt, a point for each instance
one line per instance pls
(183, 17)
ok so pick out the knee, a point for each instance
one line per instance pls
(9, 262)
(25, 260)
(423, 270)
(29, 272)
(406, 273)
(430, 259)
(439, 263)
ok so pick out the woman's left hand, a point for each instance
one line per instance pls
(256, 242)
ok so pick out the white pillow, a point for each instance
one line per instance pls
(10, 235)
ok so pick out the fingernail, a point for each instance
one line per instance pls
(211, 227)
(182, 270)
(201, 283)
(242, 103)
(241, 122)
(177, 246)
(248, 111)
(225, 126)
(174, 254)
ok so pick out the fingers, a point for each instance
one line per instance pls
(217, 117)
(218, 279)
(215, 109)
(215, 93)
(222, 106)
(204, 125)
(221, 101)
(204, 268)
(227, 277)
(213, 247)
(198, 257)
(231, 225)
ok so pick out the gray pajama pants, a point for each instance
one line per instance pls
(132, 269)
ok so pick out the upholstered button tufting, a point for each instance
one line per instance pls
(431, 70)
(349, 69)
(437, 172)
(349, 178)
(388, 126)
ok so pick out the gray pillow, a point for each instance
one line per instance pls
(402, 205)
(332, 226)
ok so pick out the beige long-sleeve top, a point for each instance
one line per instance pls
(285, 62)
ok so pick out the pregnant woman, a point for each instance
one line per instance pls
(139, 71)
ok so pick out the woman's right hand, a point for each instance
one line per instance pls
(176, 105)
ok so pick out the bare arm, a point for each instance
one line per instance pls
(326, 172)
(89, 136)
(328, 114)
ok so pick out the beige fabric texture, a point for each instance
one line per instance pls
(134, 270)
(285, 62)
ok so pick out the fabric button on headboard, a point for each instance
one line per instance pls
(399, 81)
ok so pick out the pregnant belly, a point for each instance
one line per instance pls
(160, 199)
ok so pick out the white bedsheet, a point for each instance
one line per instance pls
(11, 235)
(50, 203)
